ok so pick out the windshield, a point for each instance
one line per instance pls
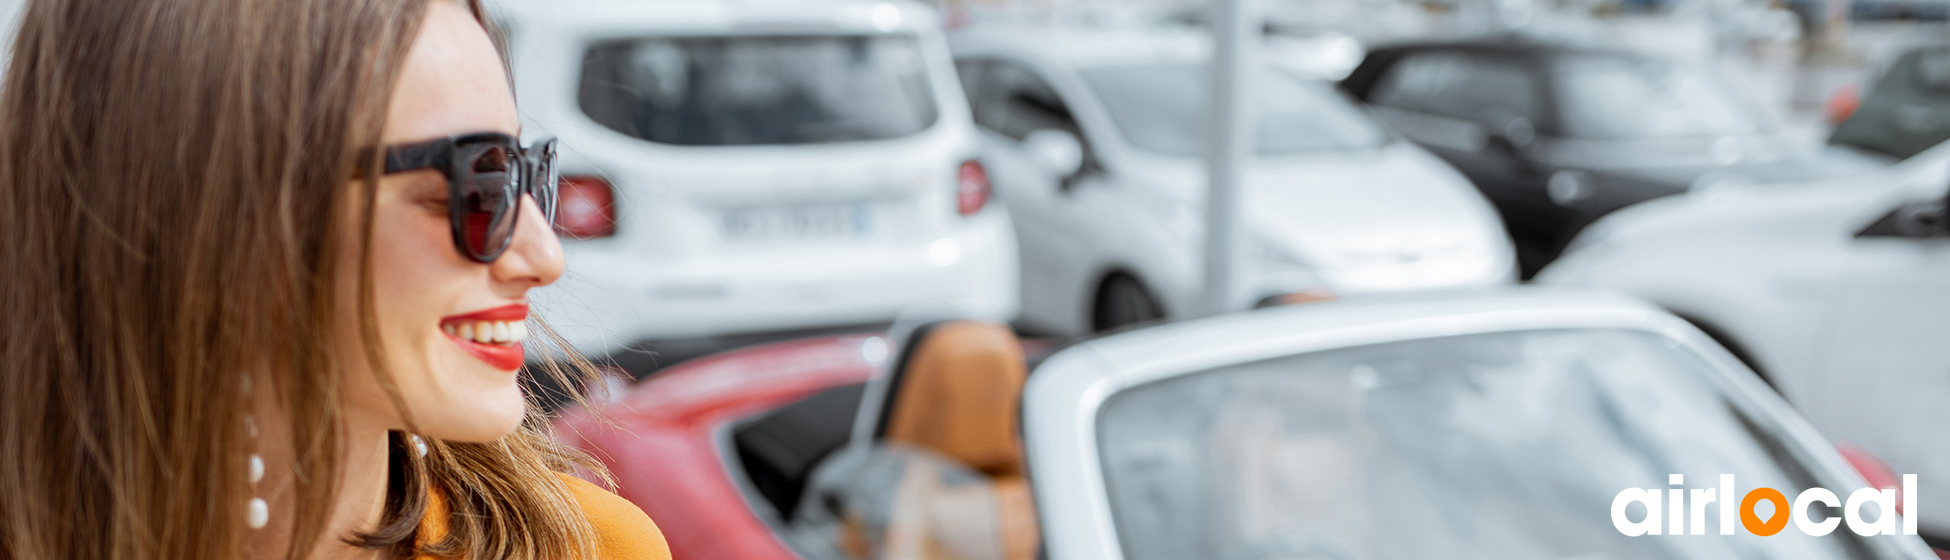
(1161, 108)
(750, 90)
(1605, 97)
(1505, 445)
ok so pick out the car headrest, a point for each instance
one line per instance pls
(956, 392)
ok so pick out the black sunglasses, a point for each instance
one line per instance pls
(486, 173)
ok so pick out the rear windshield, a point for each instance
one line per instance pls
(757, 90)
(1909, 109)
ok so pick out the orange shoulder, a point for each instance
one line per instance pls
(625, 532)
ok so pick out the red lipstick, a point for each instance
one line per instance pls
(502, 356)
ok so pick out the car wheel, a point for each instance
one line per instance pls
(1123, 302)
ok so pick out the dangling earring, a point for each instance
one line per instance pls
(258, 512)
(419, 445)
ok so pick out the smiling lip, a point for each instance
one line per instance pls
(510, 312)
(502, 356)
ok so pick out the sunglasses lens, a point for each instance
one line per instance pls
(485, 213)
(547, 179)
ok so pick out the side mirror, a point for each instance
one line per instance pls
(1923, 219)
(1058, 151)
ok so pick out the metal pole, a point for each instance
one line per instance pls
(1235, 33)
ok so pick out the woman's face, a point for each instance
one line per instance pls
(423, 289)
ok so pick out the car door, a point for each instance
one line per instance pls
(1010, 101)
(1886, 370)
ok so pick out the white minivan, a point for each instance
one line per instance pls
(1094, 137)
(748, 167)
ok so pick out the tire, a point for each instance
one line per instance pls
(1123, 302)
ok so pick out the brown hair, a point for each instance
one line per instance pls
(172, 173)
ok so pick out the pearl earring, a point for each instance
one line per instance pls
(419, 445)
(259, 512)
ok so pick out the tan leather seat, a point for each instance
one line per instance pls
(958, 395)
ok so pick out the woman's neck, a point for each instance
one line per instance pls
(357, 506)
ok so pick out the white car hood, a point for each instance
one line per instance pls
(1392, 200)
(1369, 221)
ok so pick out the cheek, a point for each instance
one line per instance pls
(419, 278)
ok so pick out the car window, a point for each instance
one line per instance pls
(1016, 102)
(1161, 108)
(1486, 90)
(971, 72)
(1909, 109)
(1611, 97)
(1502, 445)
(759, 90)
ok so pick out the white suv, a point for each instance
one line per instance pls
(742, 167)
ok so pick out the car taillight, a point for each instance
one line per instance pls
(971, 188)
(585, 208)
(1842, 104)
(1872, 469)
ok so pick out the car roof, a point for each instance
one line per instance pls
(1083, 46)
(1508, 44)
(731, 16)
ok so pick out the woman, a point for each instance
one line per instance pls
(268, 272)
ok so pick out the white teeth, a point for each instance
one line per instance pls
(488, 332)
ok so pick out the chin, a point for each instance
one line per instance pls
(479, 404)
(477, 422)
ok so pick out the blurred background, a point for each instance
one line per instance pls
(834, 173)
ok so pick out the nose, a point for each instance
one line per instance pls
(534, 256)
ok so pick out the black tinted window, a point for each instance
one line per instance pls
(1909, 110)
(1486, 90)
(717, 91)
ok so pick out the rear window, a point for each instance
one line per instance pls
(758, 90)
(1909, 109)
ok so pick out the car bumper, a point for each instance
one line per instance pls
(607, 301)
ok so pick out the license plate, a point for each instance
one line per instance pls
(816, 220)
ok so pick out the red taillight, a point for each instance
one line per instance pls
(971, 188)
(585, 208)
(1842, 104)
(1872, 469)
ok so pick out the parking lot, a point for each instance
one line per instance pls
(849, 259)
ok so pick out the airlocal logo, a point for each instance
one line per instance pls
(1884, 499)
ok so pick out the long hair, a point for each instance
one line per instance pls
(173, 173)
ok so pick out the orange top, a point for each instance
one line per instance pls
(623, 532)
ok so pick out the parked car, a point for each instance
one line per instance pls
(1836, 291)
(1495, 425)
(1094, 141)
(738, 167)
(1558, 134)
